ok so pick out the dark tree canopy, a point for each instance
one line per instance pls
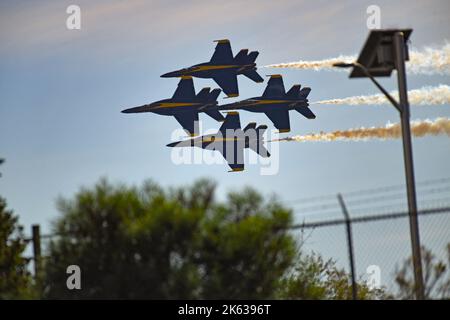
(15, 279)
(148, 242)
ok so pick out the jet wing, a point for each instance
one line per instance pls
(305, 111)
(228, 82)
(253, 75)
(275, 87)
(233, 153)
(189, 121)
(280, 119)
(238, 163)
(185, 89)
(223, 53)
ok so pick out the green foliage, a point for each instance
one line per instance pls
(179, 243)
(15, 280)
(314, 278)
(436, 276)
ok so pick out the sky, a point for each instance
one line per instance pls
(62, 92)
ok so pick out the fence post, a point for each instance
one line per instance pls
(350, 245)
(36, 235)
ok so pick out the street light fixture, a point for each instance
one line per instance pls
(384, 51)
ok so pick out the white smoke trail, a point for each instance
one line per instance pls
(419, 128)
(430, 60)
(423, 96)
(427, 61)
(325, 64)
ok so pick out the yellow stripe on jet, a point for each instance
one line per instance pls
(216, 67)
(222, 139)
(212, 67)
(175, 104)
(258, 102)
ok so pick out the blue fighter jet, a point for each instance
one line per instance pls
(185, 105)
(231, 141)
(223, 68)
(276, 103)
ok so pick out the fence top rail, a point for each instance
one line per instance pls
(441, 183)
(394, 215)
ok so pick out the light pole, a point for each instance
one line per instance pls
(384, 51)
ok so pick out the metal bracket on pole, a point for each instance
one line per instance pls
(388, 96)
(350, 246)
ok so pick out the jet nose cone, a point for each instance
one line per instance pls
(133, 110)
(144, 108)
(172, 74)
(129, 110)
(173, 144)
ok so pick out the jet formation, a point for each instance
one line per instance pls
(230, 140)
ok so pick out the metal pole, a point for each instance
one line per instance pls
(399, 52)
(36, 249)
(350, 246)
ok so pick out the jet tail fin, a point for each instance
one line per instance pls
(253, 75)
(252, 56)
(241, 57)
(306, 112)
(305, 92)
(258, 147)
(251, 125)
(203, 94)
(261, 129)
(294, 92)
(256, 139)
(214, 94)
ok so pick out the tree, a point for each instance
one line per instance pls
(436, 276)
(314, 278)
(153, 243)
(15, 279)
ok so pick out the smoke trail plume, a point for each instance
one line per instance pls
(426, 61)
(325, 64)
(430, 60)
(423, 96)
(419, 128)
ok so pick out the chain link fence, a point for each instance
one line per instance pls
(379, 228)
(380, 233)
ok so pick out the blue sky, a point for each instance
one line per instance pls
(62, 92)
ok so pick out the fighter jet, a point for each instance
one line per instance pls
(276, 103)
(223, 68)
(185, 105)
(231, 141)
